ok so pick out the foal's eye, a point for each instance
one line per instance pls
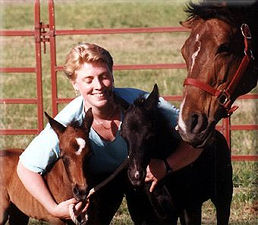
(223, 48)
(74, 145)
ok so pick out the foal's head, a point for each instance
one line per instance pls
(139, 130)
(213, 53)
(75, 150)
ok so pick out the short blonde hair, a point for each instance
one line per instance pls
(85, 53)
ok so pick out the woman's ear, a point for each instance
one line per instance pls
(75, 87)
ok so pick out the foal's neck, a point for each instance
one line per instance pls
(58, 178)
(168, 137)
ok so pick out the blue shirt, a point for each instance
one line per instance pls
(107, 155)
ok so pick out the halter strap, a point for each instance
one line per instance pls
(203, 86)
(224, 96)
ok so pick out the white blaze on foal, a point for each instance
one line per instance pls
(195, 54)
(82, 143)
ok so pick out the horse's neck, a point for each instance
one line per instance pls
(57, 178)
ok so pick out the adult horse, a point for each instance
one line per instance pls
(65, 180)
(149, 135)
(221, 56)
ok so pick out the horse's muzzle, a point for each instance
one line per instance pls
(198, 132)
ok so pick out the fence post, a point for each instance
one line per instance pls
(37, 35)
(52, 41)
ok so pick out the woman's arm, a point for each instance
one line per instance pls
(36, 186)
(184, 155)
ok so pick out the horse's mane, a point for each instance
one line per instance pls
(230, 11)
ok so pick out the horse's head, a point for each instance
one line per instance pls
(75, 150)
(138, 129)
(219, 55)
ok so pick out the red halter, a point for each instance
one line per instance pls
(224, 96)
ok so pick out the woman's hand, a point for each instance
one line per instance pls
(61, 210)
(184, 155)
(155, 171)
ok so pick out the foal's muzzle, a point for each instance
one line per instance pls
(79, 193)
(136, 177)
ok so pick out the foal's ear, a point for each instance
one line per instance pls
(153, 99)
(88, 120)
(57, 127)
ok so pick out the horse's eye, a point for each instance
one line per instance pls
(223, 48)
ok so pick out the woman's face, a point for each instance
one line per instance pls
(95, 82)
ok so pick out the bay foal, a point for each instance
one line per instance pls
(66, 179)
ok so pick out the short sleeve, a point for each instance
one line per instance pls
(169, 110)
(44, 150)
(41, 152)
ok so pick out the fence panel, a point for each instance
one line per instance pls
(47, 33)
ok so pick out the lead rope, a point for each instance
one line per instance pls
(94, 190)
(73, 217)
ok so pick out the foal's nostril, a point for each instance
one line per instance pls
(78, 192)
(137, 175)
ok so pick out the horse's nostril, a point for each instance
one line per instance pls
(199, 123)
(194, 121)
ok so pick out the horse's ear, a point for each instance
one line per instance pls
(57, 127)
(190, 23)
(88, 120)
(153, 99)
(186, 24)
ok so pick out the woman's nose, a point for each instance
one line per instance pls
(98, 84)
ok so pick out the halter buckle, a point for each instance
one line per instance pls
(223, 98)
(246, 31)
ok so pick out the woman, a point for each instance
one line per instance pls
(90, 70)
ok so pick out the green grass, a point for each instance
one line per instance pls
(126, 49)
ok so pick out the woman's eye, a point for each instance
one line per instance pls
(88, 80)
(224, 48)
(104, 76)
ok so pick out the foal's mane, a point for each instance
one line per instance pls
(139, 101)
(76, 124)
(165, 133)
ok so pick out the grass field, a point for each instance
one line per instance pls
(126, 49)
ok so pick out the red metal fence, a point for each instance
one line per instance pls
(46, 33)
